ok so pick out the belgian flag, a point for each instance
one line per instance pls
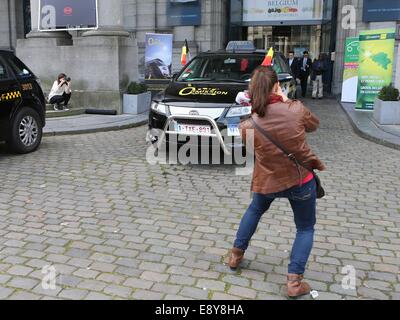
(185, 54)
(268, 58)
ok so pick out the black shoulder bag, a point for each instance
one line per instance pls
(291, 156)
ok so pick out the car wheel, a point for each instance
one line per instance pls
(26, 131)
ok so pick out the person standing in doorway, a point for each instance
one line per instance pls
(318, 69)
(276, 175)
(305, 64)
(293, 63)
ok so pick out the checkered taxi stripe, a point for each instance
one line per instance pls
(10, 96)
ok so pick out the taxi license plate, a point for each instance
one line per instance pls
(192, 129)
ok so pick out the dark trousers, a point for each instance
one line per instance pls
(303, 201)
(304, 83)
(60, 99)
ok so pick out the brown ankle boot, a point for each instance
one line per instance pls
(296, 287)
(235, 258)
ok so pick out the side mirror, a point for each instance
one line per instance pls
(174, 76)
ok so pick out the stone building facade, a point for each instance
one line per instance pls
(102, 62)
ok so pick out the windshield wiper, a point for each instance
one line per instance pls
(196, 80)
(229, 80)
(214, 80)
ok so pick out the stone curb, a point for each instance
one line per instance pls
(95, 130)
(368, 136)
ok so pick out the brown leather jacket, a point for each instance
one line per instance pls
(287, 122)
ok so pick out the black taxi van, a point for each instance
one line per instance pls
(22, 105)
(200, 100)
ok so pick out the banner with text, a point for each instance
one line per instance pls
(375, 65)
(158, 56)
(262, 12)
(350, 73)
(183, 12)
(56, 15)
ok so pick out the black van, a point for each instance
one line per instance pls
(200, 100)
(22, 105)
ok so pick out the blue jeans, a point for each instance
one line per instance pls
(303, 202)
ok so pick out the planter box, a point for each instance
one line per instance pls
(387, 112)
(136, 103)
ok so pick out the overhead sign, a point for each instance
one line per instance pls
(158, 56)
(350, 73)
(56, 15)
(263, 12)
(375, 65)
(183, 13)
(378, 10)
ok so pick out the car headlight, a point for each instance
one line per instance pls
(159, 107)
(238, 112)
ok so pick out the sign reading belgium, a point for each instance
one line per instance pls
(268, 11)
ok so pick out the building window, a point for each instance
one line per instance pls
(287, 38)
(27, 16)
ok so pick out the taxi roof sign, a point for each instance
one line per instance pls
(240, 46)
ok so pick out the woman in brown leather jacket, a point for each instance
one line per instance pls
(276, 175)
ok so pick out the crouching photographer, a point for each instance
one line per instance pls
(61, 92)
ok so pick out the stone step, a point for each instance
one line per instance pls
(50, 107)
(66, 113)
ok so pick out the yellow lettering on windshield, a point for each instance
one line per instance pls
(202, 91)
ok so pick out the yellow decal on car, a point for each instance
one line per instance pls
(202, 91)
(10, 96)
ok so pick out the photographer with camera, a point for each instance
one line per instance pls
(60, 92)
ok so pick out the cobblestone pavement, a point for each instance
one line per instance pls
(115, 227)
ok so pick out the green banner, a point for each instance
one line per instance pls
(350, 73)
(375, 65)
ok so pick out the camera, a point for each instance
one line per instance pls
(68, 79)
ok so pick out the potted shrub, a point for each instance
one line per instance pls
(387, 106)
(136, 99)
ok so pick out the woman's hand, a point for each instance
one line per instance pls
(279, 92)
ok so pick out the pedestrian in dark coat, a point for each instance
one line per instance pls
(293, 63)
(305, 65)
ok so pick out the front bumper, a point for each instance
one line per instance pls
(218, 136)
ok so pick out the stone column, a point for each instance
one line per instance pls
(129, 14)
(146, 18)
(182, 33)
(111, 20)
(396, 65)
(211, 34)
(4, 26)
(341, 35)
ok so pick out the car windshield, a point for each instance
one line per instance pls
(230, 68)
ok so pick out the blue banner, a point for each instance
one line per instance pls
(158, 56)
(183, 12)
(378, 10)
